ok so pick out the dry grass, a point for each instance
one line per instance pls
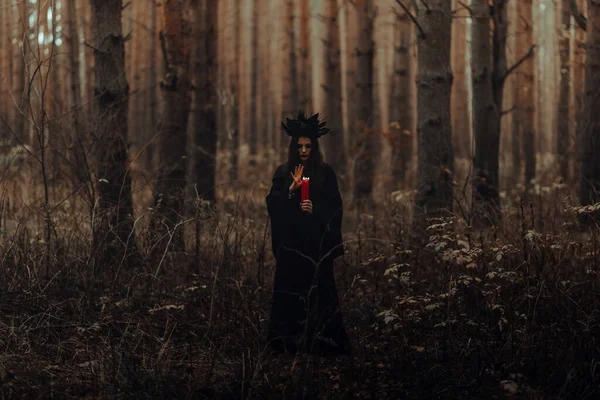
(499, 313)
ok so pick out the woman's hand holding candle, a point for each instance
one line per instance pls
(306, 206)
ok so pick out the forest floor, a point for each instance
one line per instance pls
(502, 312)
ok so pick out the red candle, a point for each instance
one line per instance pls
(305, 183)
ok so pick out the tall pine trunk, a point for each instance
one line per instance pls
(489, 68)
(79, 162)
(590, 134)
(434, 84)
(290, 75)
(525, 91)
(171, 143)
(332, 88)
(365, 139)
(401, 116)
(113, 232)
(235, 61)
(6, 44)
(72, 44)
(304, 56)
(461, 125)
(563, 142)
(21, 19)
(151, 85)
(203, 115)
(578, 76)
(254, 133)
(89, 69)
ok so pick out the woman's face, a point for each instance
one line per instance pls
(304, 148)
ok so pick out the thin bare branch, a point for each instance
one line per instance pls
(519, 62)
(504, 112)
(466, 7)
(580, 19)
(412, 17)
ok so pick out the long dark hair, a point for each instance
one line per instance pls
(313, 164)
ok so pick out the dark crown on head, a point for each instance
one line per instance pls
(302, 126)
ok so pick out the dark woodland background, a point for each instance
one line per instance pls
(137, 144)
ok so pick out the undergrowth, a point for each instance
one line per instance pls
(500, 312)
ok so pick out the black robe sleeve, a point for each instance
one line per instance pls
(278, 204)
(330, 212)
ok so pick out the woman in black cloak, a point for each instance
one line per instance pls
(306, 238)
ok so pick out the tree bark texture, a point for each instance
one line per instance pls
(563, 144)
(5, 63)
(21, 19)
(332, 88)
(89, 69)
(578, 72)
(590, 140)
(203, 118)
(434, 83)
(304, 56)
(236, 44)
(489, 69)
(72, 44)
(169, 191)
(365, 138)
(461, 125)
(290, 91)
(254, 133)
(79, 161)
(526, 89)
(400, 112)
(152, 84)
(113, 233)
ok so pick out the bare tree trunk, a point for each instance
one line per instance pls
(21, 19)
(72, 44)
(6, 46)
(434, 84)
(563, 144)
(304, 57)
(203, 115)
(516, 137)
(134, 22)
(461, 126)
(55, 86)
(80, 167)
(254, 133)
(590, 135)
(489, 69)
(58, 100)
(332, 87)
(89, 67)
(499, 76)
(364, 135)
(169, 191)
(526, 94)
(113, 234)
(266, 98)
(236, 44)
(401, 115)
(80, 164)
(350, 38)
(578, 68)
(152, 83)
(290, 82)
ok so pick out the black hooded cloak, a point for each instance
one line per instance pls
(305, 313)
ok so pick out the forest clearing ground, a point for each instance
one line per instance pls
(494, 313)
